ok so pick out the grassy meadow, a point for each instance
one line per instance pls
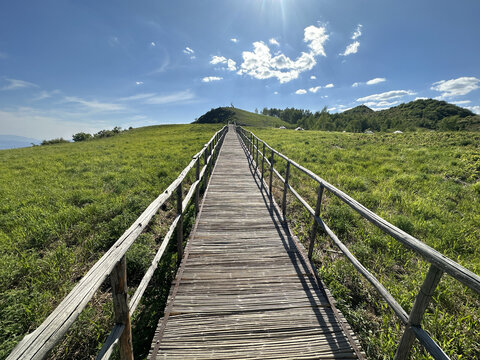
(426, 183)
(63, 206)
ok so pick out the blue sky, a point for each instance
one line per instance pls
(69, 66)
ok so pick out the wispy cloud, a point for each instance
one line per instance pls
(137, 97)
(190, 52)
(211, 78)
(94, 104)
(356, 84)
(329, 86)
(45, 95)
(138, 83)
(475, 109)
(385, 96)
(456, 87)
(376, 81)
(260, 64)
(180, 96)
(358, 32)
(153, 44)
(231, 65)
(274, 42)
(314, 89)
(462, 102)
(353, 47)
(14, 84)
(313, 77)
(234, 40)
(301, 92)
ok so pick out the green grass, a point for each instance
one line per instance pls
(425, 183)
(246, 118)
(63, 206)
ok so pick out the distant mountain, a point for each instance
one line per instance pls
(241, 117)
(14, 141)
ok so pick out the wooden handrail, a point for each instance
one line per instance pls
(37, 344)
(440, 263)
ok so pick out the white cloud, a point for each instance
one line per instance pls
(211, 78)
(420, 98)
(301, 92)
(475, 109)
(316, 37)
(260, 64)
(382, 104)
(351, 49)
(181, 96)
(313, 77)
(275, 92)
(314, 89)
(463, 102)
(138, 82)
(218, 60)
(152, 44)
(356, 84)
(358, 32)
(273, 42)
(329, 86)
(18, 84)
(231, 65)
(376, 81)
(234, 40)
(389, 95)
(94, 104)
(456, 87)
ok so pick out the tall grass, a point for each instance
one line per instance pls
(63, 206)
(428, 184)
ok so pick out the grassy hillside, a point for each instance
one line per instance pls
(427, 184)
(63, 206)
(224, 115)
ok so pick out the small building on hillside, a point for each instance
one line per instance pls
(282, 127)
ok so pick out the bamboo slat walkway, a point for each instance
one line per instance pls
(244, 289)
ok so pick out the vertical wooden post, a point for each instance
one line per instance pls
(285, 190)
(256, 154)
(421, 302)
(313, 233)
(197, 191)
(180, 223)
(118, 277)
(271, 176)
(205, 174)
(263, 163)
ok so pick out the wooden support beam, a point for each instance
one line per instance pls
(271, 177)
(415, 318)
(263, 163)
(285, 190)
(197, 191)
(120, 307)
(313, 233)
(180, 223)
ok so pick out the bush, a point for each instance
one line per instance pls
(54, 141)
(81, 136)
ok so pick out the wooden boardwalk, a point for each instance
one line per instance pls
(244, 289)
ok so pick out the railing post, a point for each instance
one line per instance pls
(197, 191)
(313, 233)
(180, 223)
(205, 174)
(271, 176)
(263, 163)
(285, 189)
(256, 154)
(414, 319)
(118, 278)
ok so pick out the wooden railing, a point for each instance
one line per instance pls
(438, 262)
(113, 263)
